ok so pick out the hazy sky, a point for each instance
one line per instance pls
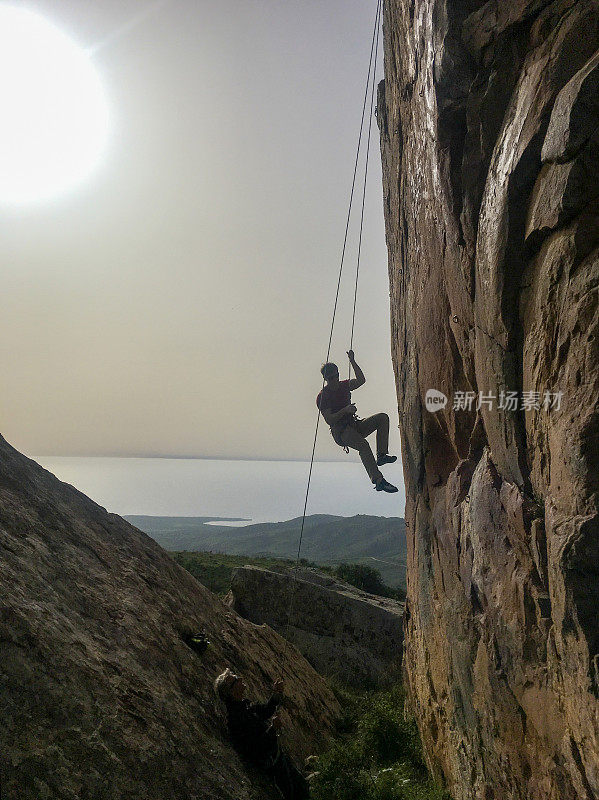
(178, 301)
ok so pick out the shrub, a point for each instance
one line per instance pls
(362, 576)
(377, 753)
(368, 579)
(343, 774)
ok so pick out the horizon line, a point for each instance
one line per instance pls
(176, 457)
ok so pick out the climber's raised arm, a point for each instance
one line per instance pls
(359, 380)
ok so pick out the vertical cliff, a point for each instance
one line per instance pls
(489, 118)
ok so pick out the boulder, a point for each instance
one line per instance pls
(343, 632)
(100, 694)
(562, 191)
(574, 114)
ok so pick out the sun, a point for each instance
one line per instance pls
(53, 107)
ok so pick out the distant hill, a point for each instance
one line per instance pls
(327, 539)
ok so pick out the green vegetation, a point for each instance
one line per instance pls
(214, 570)
(367, 579)
(376, 754)
(373, 541)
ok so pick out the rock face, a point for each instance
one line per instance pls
(99, 695)
(488, 117)
(342, 631)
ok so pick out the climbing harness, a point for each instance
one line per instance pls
(370, 88)
(338, 429)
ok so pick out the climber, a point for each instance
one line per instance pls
(334, 402)
(253, 728)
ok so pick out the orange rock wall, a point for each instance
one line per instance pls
(488, 118)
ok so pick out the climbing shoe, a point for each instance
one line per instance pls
(385, 486)
(385, 458)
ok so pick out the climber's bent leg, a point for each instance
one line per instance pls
(380, 424)
(354, 439)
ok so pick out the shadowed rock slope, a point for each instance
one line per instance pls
(99, 695)
(489, 133)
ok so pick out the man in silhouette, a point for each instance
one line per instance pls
(254, 728)
(334, 402)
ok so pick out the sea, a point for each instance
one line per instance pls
(242, 490)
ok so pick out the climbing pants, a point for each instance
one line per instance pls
(353, 435)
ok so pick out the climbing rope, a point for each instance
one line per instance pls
(370, 88)
(366, 162)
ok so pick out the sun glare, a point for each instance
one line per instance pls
(54, 111)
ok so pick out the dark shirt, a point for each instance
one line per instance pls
(334, 398)
(251, 732)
